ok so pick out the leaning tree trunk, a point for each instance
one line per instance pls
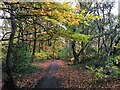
(9, 83)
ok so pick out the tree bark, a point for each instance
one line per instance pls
(74, 53)
(34, 46)
(9, 83)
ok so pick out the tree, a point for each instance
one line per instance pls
(10, 83)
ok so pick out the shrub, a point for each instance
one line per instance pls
(62, 54)
(114, 61)
(97, 72)
(115, 71)
(101, 73)
(22, 60)
(117, 59)
(41, 55)
(3, 49)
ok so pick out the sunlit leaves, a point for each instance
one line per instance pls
(83, 12)
(80, 37)
(61, 13)
(57, 13)
(68, 34)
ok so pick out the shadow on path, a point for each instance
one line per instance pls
(49, 81)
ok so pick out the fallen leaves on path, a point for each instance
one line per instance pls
(29, 81)
(47, 63)
(70, 77)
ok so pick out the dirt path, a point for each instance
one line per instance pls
(59, 75)
(49, 81)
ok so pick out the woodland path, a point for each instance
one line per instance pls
(59, 75)
(49, 81)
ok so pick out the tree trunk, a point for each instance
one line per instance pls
(74, 53)
(9, 83)
(18, 41)
(39, 47)
(34, 46)
(115, 50)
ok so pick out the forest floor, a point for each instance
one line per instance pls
(64, 76)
